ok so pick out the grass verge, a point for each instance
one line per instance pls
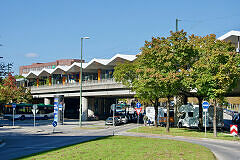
(122, 148)
(187, 132)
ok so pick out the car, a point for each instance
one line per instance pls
(124, 119)
(119, 119)
(109, 121)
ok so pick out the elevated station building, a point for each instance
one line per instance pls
(99, 90)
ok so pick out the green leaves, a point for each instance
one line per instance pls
(175, 64)
(9, 92)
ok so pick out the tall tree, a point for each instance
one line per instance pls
(158, 69)
(215, 70)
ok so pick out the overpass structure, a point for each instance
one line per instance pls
(99, 90)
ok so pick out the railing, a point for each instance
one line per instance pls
(84, 83)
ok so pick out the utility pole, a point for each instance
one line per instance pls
(177, 20)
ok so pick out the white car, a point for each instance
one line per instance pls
(124, 119)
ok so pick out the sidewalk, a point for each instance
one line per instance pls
(176, 137)
(223, 149)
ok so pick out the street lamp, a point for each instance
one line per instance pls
(80, 106)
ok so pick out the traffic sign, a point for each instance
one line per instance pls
(60, 106)
(35, 106)
(14, 105)
(138, 105)
(138, 110)
(205, 106)
(234, 130)
(54, 123)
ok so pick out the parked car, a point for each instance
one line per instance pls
(109, 121)
(119, 118)
(124, 119)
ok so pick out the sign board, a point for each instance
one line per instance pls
(205, 106)
(205, 110)
(234, 130)
(138, 110)
(138, 105)
(60, 106)
(14, 105)
(35, 106)
(55, 114)
(54, 123)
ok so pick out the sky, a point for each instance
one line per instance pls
(47, 30)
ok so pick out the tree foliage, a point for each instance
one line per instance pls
(9, 92)
(215, 71)
(178, 65)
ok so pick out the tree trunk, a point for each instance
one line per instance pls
(156, 112)
(178, 102)
(200, 118)
(168, 120)
(214, 118)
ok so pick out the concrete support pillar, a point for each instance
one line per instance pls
(37, 82)
(50, 81)
(84, 108)
(47, 101)
(99, 74)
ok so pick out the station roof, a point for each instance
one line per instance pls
(94, 64)
(231, 36)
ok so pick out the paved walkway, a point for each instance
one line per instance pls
(223, 150)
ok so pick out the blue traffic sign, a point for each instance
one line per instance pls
(138, 105)
(14, 105)
(205, 105)
(54, 123)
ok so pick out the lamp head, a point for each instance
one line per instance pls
(85, 38)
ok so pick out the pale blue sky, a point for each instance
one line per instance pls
(51, 29)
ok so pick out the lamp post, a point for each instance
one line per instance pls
(80, 105)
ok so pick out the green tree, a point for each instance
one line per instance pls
(215, 71)
(158, 69)
(9, 92)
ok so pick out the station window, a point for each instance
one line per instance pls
(190, 114)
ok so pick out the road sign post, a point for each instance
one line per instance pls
(234, 130)
(34, 110)
(113, 108)
(63, 109)
(138, 105)
(13, 106)
(205, 106)
(54, 123)
(138, 110)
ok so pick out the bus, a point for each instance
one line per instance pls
(24, 111)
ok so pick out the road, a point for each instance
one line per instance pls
(24, 139)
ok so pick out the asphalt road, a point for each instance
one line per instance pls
(22, 141)
(25, 140)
